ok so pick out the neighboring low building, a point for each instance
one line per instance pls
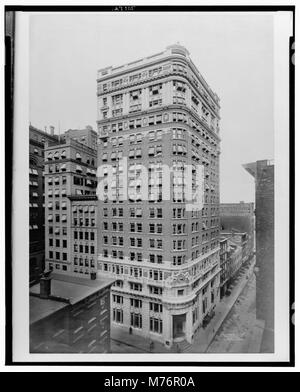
(263, 172)
(235, 250)
(70, 315)
(37, 140)
(239, 218)
(225, 266)
(235, 255)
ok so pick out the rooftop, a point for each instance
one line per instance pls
(175, 49)
(42, 133)
(67, 141)
(253, 166)
(68, 289)
(42, 308)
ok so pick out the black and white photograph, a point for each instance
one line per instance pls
(152, 186)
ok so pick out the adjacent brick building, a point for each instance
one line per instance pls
(70, 315)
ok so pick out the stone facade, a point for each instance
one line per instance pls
(153, 112)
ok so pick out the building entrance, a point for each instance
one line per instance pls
(179, 326)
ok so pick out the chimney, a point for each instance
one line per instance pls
(45, 286)
(51, 130)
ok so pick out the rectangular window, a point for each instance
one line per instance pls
(155, 307)
(136, 303)
(136, 286)
(155, 290)
(118, 316)
(156, 325)
(136, 320)
(118, 299)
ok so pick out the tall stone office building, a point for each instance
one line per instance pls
(263, 173)
(158, 111)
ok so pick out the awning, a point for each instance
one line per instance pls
(50, 218)
(78, 168)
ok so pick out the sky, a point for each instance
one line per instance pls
(233, 51)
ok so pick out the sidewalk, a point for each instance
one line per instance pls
(141, 343)
(204, 337)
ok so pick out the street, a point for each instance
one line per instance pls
(236, 333)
